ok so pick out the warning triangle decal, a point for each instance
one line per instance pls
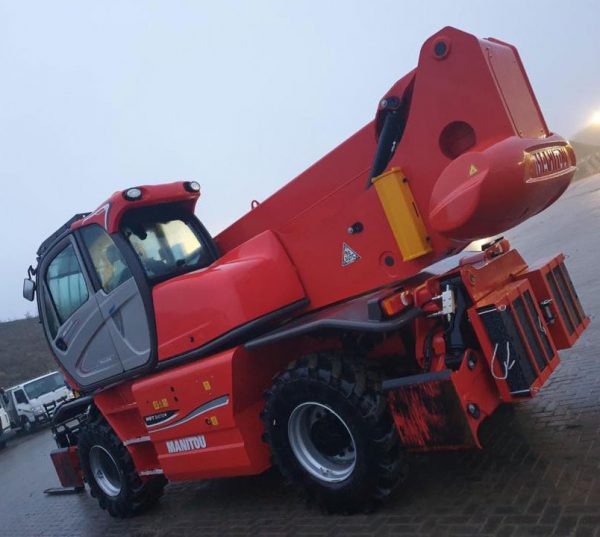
(348, 255)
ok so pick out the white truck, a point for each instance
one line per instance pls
(4, 424)
(33, 402)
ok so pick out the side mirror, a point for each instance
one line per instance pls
(28, 289)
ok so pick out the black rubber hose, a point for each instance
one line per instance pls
(394, 122)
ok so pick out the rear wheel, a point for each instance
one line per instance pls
(322, 442)
(330, 430)
(110, 473)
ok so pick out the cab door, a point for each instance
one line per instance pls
(72, 318)
(119, 298)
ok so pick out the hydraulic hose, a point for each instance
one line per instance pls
(394, 121)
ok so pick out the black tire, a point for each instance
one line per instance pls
(351, 396)
(26, 426)
(134, 495)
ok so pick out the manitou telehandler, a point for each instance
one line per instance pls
(334, 327)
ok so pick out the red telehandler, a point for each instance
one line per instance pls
(337, 325)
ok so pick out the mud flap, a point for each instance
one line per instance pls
(428, 412)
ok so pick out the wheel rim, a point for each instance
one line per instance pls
(105, 471)
(322, 442)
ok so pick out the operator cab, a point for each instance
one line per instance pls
(95, 275)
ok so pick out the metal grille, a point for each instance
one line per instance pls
(565, 297)
(510, 350)
(541, 329)
(521, 347)
(51, 407)
(529, 330)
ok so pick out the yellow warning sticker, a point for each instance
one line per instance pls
(206, 385)
(162, 403)
(214, 420)
(472, 170)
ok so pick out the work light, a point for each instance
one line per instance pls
(133, 194)
(192, 186)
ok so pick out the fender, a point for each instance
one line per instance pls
(359, 314)
(354, 315)
(252, 282)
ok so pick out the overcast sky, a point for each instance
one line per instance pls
(99, 96)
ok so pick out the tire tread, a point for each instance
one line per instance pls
(139, 494)
(360, 387)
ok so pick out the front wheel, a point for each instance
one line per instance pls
(331, 432)
(26, 426)
(110, 472)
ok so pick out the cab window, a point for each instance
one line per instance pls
(20, 397)
(50, 315)
(106, 258)
(51, 383)
(165, 242)
(66, 283)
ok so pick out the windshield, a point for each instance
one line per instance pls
(48, 384)
(165, 243)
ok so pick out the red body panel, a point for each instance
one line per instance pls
(475, 194)
(226, 439)
(248, 282)
(121, 411)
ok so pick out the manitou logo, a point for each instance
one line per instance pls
(550, 160)
(186, 444)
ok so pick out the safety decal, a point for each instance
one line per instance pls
(161, 417)
(104, 209)
(190, 443)
(473, 170)
(161, 403)
(202, 409)
(349, 256)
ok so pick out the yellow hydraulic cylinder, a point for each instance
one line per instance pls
(402, 213)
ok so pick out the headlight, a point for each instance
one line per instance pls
(38, 410)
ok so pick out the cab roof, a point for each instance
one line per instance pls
(109, 213)
(58, 234)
